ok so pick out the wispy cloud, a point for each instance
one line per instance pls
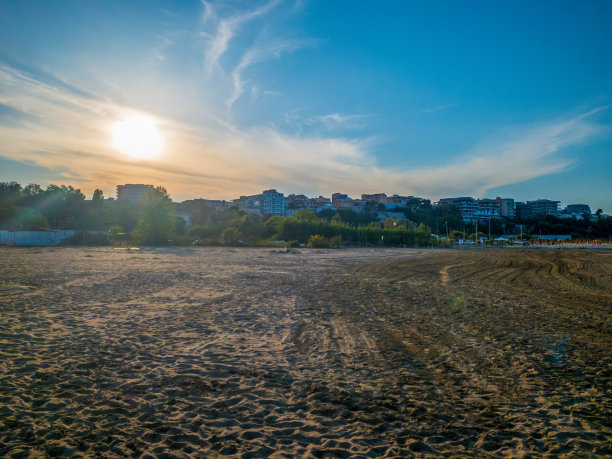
(437, 108)
(69, 128)
(522, 154)
(256, 92)
(164, 42)
(226, 28)
(259, 53)
(255, 46)
(336, 120)
(12, 116)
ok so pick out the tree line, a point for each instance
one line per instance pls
(157, 220)
(33, 208)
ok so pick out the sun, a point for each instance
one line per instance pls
(138, 137)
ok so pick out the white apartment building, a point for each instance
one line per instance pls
(272, 202)
(268, 202)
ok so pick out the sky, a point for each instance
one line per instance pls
(426, 98)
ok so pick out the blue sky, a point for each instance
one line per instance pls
(433, 99)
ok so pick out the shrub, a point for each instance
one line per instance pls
(230, 236)
(252, 241)
(181, 239)
(336, 241)
(317, 241)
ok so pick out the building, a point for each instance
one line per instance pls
(216, 203)
(342, 201)
(531, 209)
(356, 205)
(251, 204)
(507, 207)
(482, 209)
(325, 207)
(467, 206)
(541, 207)
(132, 193)
(268, 202)
(486, 209)
(320, 202)
(380, 198)
(521, 210)
(272, 202)
(339, 199)
(577, 210)
(397, 199)
(409, 202)
(297, 201)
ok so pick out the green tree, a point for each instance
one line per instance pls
(304, 215)
(389, 223)
(248, 225)
(372, 208)
(156, 221)
(230, 236)
(355, 218)
(63, 206)
(9, 188)
(274, 225)
(29, 219)
(423, 228)
(455, 234)
(441, 218)
(32, 190)
(326, 214)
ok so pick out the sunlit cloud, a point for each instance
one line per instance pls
(65, 128)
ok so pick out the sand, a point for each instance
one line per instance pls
(211, 352)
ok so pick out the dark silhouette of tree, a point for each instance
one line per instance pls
(98, 196)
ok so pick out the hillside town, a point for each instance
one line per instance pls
(272, 202)
(145, 214)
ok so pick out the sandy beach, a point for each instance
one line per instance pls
(213, 352)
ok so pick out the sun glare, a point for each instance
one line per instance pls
(137, 136)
